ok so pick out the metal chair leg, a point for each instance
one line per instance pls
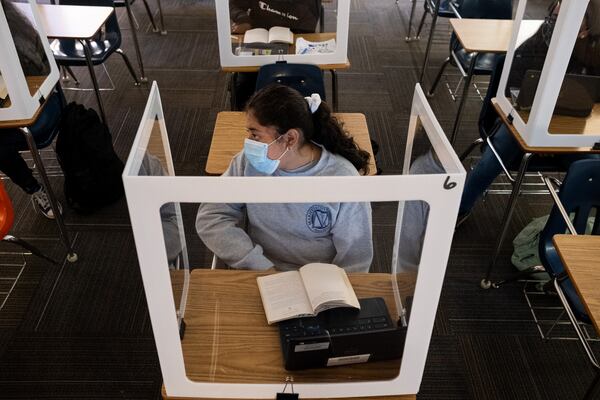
(70, 72)
(334, 89)
(29, 247)
(136, 43)
(129, 66)
(519, 275)
(163, 30)
(463, 100)
(421, 23)
(512, 202)
(429, 40)
(438, 77)
(410, 20)
(88, 59)
(469, 149)
(62, 230)
(322, 20)
(149, 12)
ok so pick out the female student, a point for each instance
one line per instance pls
(289, 135)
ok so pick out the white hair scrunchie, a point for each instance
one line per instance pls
(314, 101)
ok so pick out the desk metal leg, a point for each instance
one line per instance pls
(62, 230)
(135, 42)
(463, 99)
(512, 202)
(88, 59)
(334, 89)
(429, 40)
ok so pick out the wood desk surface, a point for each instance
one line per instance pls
(490, 35)
(230, 132)
(73, 22)
(227, 338)
(34, 83)
(311, 37)
(558, 124)
(580, 255)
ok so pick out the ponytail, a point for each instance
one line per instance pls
(330, 133)
(284, 108)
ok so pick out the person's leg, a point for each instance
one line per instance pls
(13, 165)
(488, 168)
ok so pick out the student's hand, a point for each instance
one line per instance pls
(240, 28)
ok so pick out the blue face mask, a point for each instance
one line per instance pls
(256, 153)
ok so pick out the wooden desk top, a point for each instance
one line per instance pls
(558, 124)
(312, 37)
(72, 22)
(490, 35)
(230, 132)
(220, 302)
(580, 255)
(33, 82)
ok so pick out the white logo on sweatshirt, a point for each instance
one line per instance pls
(265, 7)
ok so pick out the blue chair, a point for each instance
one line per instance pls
(305, 78)
(580, 197)
(578, 200)
(69, 53)
(483, 9)
(448, 9)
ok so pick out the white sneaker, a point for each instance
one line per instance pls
(42, 203)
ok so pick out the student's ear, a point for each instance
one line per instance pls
(292, 137)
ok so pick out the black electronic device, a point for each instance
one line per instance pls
(342, 336)
(576, 98)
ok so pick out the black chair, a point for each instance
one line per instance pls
(305, 78)
(69, 52)
(484, 9)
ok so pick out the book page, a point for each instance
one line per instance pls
(327, 286)
(283, 296)
(256, 35)
(279, 34)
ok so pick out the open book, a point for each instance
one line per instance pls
(277, 34)
(313, 288)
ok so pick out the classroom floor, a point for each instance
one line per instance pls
(82, 330)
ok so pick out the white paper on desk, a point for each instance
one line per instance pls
(303, 46)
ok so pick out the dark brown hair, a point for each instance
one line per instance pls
(284, 108)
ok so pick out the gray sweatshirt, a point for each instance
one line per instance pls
(288, 236)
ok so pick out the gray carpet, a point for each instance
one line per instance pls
(82, 330)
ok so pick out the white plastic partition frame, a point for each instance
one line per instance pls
(535, 131)
(153, 114)
(23, 104)
(146, 194)
(228, 59)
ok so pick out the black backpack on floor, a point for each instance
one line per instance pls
(85, 152)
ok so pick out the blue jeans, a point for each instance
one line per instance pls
(488, 168)
(12, 141)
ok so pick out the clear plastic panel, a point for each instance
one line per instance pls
(32, 56)
(573, 102)
(272, 27)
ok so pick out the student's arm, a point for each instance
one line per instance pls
(218, 226)
(352, 237)
(238, 13)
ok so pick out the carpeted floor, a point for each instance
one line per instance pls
(82, 330)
